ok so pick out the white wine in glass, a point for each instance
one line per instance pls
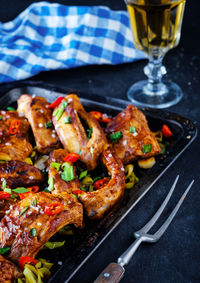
(156, 27)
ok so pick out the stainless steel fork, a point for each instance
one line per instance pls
(115, 271)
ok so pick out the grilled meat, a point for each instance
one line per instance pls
(5, 205)
(18, 173)
(97, 203)
(14, 145)
(8, 271)
(30, 213)
(60, 185)
(73, 135)
(39, 116)
(137, 140)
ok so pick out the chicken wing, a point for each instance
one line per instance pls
(131, 137)
(60, 185)
(73, 136)
(18, 173)
(33, 213)
(14, 145)
(39, 116)
(97, 203)
(8, 271)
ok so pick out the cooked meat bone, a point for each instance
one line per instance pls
(38, 114)
(18, 173)
(99, 202)
(60, 185)
(14, 146)
(136, 134)
(8, 271)
(73, 136)
(15, 227)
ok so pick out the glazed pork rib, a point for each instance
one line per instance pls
(30, 214)
(60, 185)
(14, 143)
(131, 136)
(8, 271)
(39, 116)
(98, 203)
(18, 173)
(73, 135)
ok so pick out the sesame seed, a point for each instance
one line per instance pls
(7, 143)
(59, 262)
(53, 131)
(31, 177)
(34, 95)
(109, 155)
(39, 224)
(40, 125)
(69, 100)
(53, 135)
(41, 111)
(3, 112)
(47, 105)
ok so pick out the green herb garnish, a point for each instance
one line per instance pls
(97, 178)
(23, 210)
(67, 120)
(116, 137)
(20, 190)
(4, 250)
(33, 232)
(10, 108)
(48, 125)
(51, 184)
(132, 130)
(54, 245)
(1, 117)
(34, 202)
(147, 148)
(68, 172)
(83, 174)
(89, 133)
(4, 184)
(56, 165)
(59, 111)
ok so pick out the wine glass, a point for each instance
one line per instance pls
(156, 28)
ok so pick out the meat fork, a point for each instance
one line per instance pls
(114, 272)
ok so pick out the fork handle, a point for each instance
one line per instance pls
(127, 255)
(111, 274)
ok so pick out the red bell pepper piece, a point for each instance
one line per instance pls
(4, 195)
(72, 157)
(100, 117)
(26, 259)
(56, 102)
(101, 183)
(14, 127)
(166, 131)
(53, 208)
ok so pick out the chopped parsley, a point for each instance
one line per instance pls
(89, 133)
(146, 148)
(4, 250)
(132, 130)
(33, 232)
(67, 120)
(48, 125)
(23, 210)
(116, 137)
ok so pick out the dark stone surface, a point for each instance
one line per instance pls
(176, 257)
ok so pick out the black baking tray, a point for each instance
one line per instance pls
(79, 248)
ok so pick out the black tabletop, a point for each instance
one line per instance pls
(176, 257)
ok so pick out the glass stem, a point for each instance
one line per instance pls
(154, 70)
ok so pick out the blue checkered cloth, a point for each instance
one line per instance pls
(52, 36)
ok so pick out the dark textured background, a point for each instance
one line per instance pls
(176, 258)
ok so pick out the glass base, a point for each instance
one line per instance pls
(159, 95)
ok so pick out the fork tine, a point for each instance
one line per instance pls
(153, 220)
(165, 225)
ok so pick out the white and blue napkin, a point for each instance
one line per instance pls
(52, 36)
